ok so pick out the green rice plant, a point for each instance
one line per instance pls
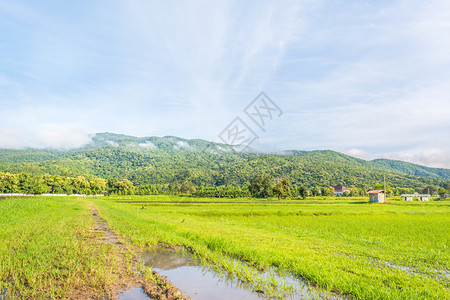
(340, 245)
(47, 249)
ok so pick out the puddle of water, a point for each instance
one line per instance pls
(195, 281)
(445, 273)
(200, 282)
(439, 274)
(402, 268)
(133, 294)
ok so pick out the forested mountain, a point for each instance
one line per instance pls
(414, 169)
(163, 160)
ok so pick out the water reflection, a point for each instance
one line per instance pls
(133, 294)
(200, 282)
(166, 259)
(193, 279)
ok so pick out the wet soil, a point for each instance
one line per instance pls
(128, 286)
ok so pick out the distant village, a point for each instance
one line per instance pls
(379, 196)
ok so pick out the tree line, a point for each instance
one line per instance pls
(260, 186)
(52, 184)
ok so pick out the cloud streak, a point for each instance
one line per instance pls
(55, 139)
(434, 157)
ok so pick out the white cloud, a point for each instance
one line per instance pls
(221, 149)
(148, 145)
(359, 153)
(112, 143)
(181, 145)
(58, 139)
(432, 157)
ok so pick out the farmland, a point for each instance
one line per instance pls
(344, 245)
(46, 247)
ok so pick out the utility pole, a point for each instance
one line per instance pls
(384, 183)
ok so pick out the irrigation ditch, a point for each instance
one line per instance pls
(134, 280)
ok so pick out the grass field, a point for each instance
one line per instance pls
(47, 249)
(370, 251)
(346, 245)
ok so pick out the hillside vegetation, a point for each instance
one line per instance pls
(414, 169)
(165, 160)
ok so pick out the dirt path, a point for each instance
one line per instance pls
(157, 287)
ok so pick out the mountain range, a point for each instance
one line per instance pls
(162, 160)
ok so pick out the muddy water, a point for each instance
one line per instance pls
(194, 280)
(133, 294)
(199, 282)
(438, 274)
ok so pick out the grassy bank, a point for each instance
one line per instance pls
(47, 249)
(393, 251)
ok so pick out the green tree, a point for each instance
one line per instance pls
(294, 190)
(68, 186)
(125, 187)
(111, 186)
(98, 185)
(380, 186)
(429, 189)
(55, 184)
(442, 191)
(282, 188)
(446, 186)
(303, 191)
(8, 183)
(315, 191)
(327, 191)
(261, 186)
(187, 187)
(80, 185)
(354, 192)
(31, 184)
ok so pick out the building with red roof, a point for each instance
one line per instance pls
(340, 189)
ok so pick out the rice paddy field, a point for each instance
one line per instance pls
(345, 246)
(47, 249)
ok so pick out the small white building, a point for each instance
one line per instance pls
(420, 197)
(406, 197)
(424, 197)
(377, 196)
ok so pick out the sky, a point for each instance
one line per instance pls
(366, 78)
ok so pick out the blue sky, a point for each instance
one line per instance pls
(368, 78)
